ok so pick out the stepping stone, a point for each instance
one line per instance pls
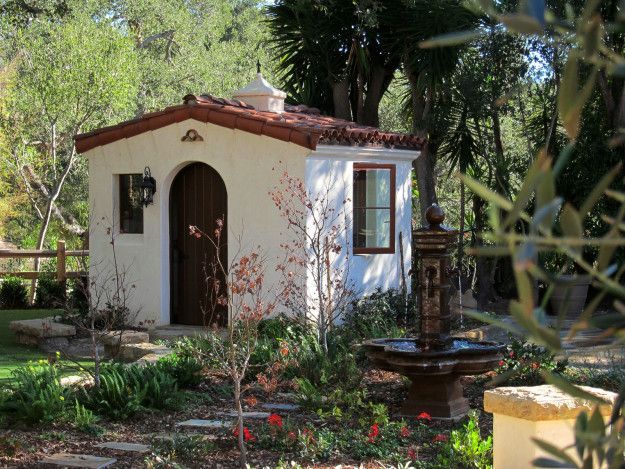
(133, 352)
(248, 415)
(78, 460)
(121, 446)
(205, 423)
(285, 407)
(117, 338)
(172, 436)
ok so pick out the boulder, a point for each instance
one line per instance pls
(41, 328)
(117, 338)
(133, 352)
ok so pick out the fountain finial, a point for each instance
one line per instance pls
(435, 216)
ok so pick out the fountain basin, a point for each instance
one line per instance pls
(434, 373)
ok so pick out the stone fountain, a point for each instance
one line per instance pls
(435, 360)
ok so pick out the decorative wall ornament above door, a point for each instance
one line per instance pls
(192, 136)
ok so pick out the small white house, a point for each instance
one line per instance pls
(211, 158)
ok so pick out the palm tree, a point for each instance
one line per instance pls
(332, 55)
(410, 22)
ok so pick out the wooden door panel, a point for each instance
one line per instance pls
(197, 198)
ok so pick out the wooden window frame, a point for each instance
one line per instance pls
(377, 250)
(119, 204)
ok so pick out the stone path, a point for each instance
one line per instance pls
(122, 446)
(284, 407)
(246, 415)
(173, 435)
(78, 460)
(200, 423)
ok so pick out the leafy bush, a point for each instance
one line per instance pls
(466, 449)
(610, 378)
(13, 293)
(186, 370)
(380, 314)
(118, 396)
(78, 301)
(168, 453)
(50, 292)
(85, 420)
(35, 394)
(124, 390)
(523, 363)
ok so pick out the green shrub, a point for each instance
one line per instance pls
(50, 293)
(381, 314)
(77, 300)
(523, 362)
(161, 389)
(118, 396)
(610, 378)
(185, 369)
(85, 420)
(35, 394)
(168, 453)
(13, 293)
(125, 389)
(466, 449)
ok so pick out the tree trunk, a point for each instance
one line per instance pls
(483, 264)
(240, 436)
(425, 163)
(424, 169)
(376, 87)
(340, 98)
(461, 242)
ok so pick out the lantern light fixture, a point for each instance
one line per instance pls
(148, 187)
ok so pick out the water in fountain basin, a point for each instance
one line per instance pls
(411, 345)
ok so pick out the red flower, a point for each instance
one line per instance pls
(511, 355)
(291, 436)
(424, 416)
(275, 420)
(412, 454)
(535, 366)
(501, 363)
(404, 432)
(440, 437)
(247, 435)
(374, 431)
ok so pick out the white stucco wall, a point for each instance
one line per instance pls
(250, 166)
(245, 162)
(331, 168)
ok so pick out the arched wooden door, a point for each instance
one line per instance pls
(197, 198)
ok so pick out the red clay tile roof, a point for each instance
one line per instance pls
(300, 125)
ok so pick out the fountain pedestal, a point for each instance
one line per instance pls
(435, 361)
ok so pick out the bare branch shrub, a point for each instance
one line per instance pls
(315, 267)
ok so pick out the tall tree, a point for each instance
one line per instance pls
(70, 76)
(333, 54)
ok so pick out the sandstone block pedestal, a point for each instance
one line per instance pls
(543, 412)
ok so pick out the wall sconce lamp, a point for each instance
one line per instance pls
(148, 187)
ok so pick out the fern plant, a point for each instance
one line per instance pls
(36, 394)
(119, 395)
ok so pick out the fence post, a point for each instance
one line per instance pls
(61, 274)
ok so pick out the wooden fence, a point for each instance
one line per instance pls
(61, 254)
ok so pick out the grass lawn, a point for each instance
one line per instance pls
(12, 355)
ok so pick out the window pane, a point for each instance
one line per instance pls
(130, 208)
(373, 197)
(372, 228)
(378, 188)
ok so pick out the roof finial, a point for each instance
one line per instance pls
(257, 66)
